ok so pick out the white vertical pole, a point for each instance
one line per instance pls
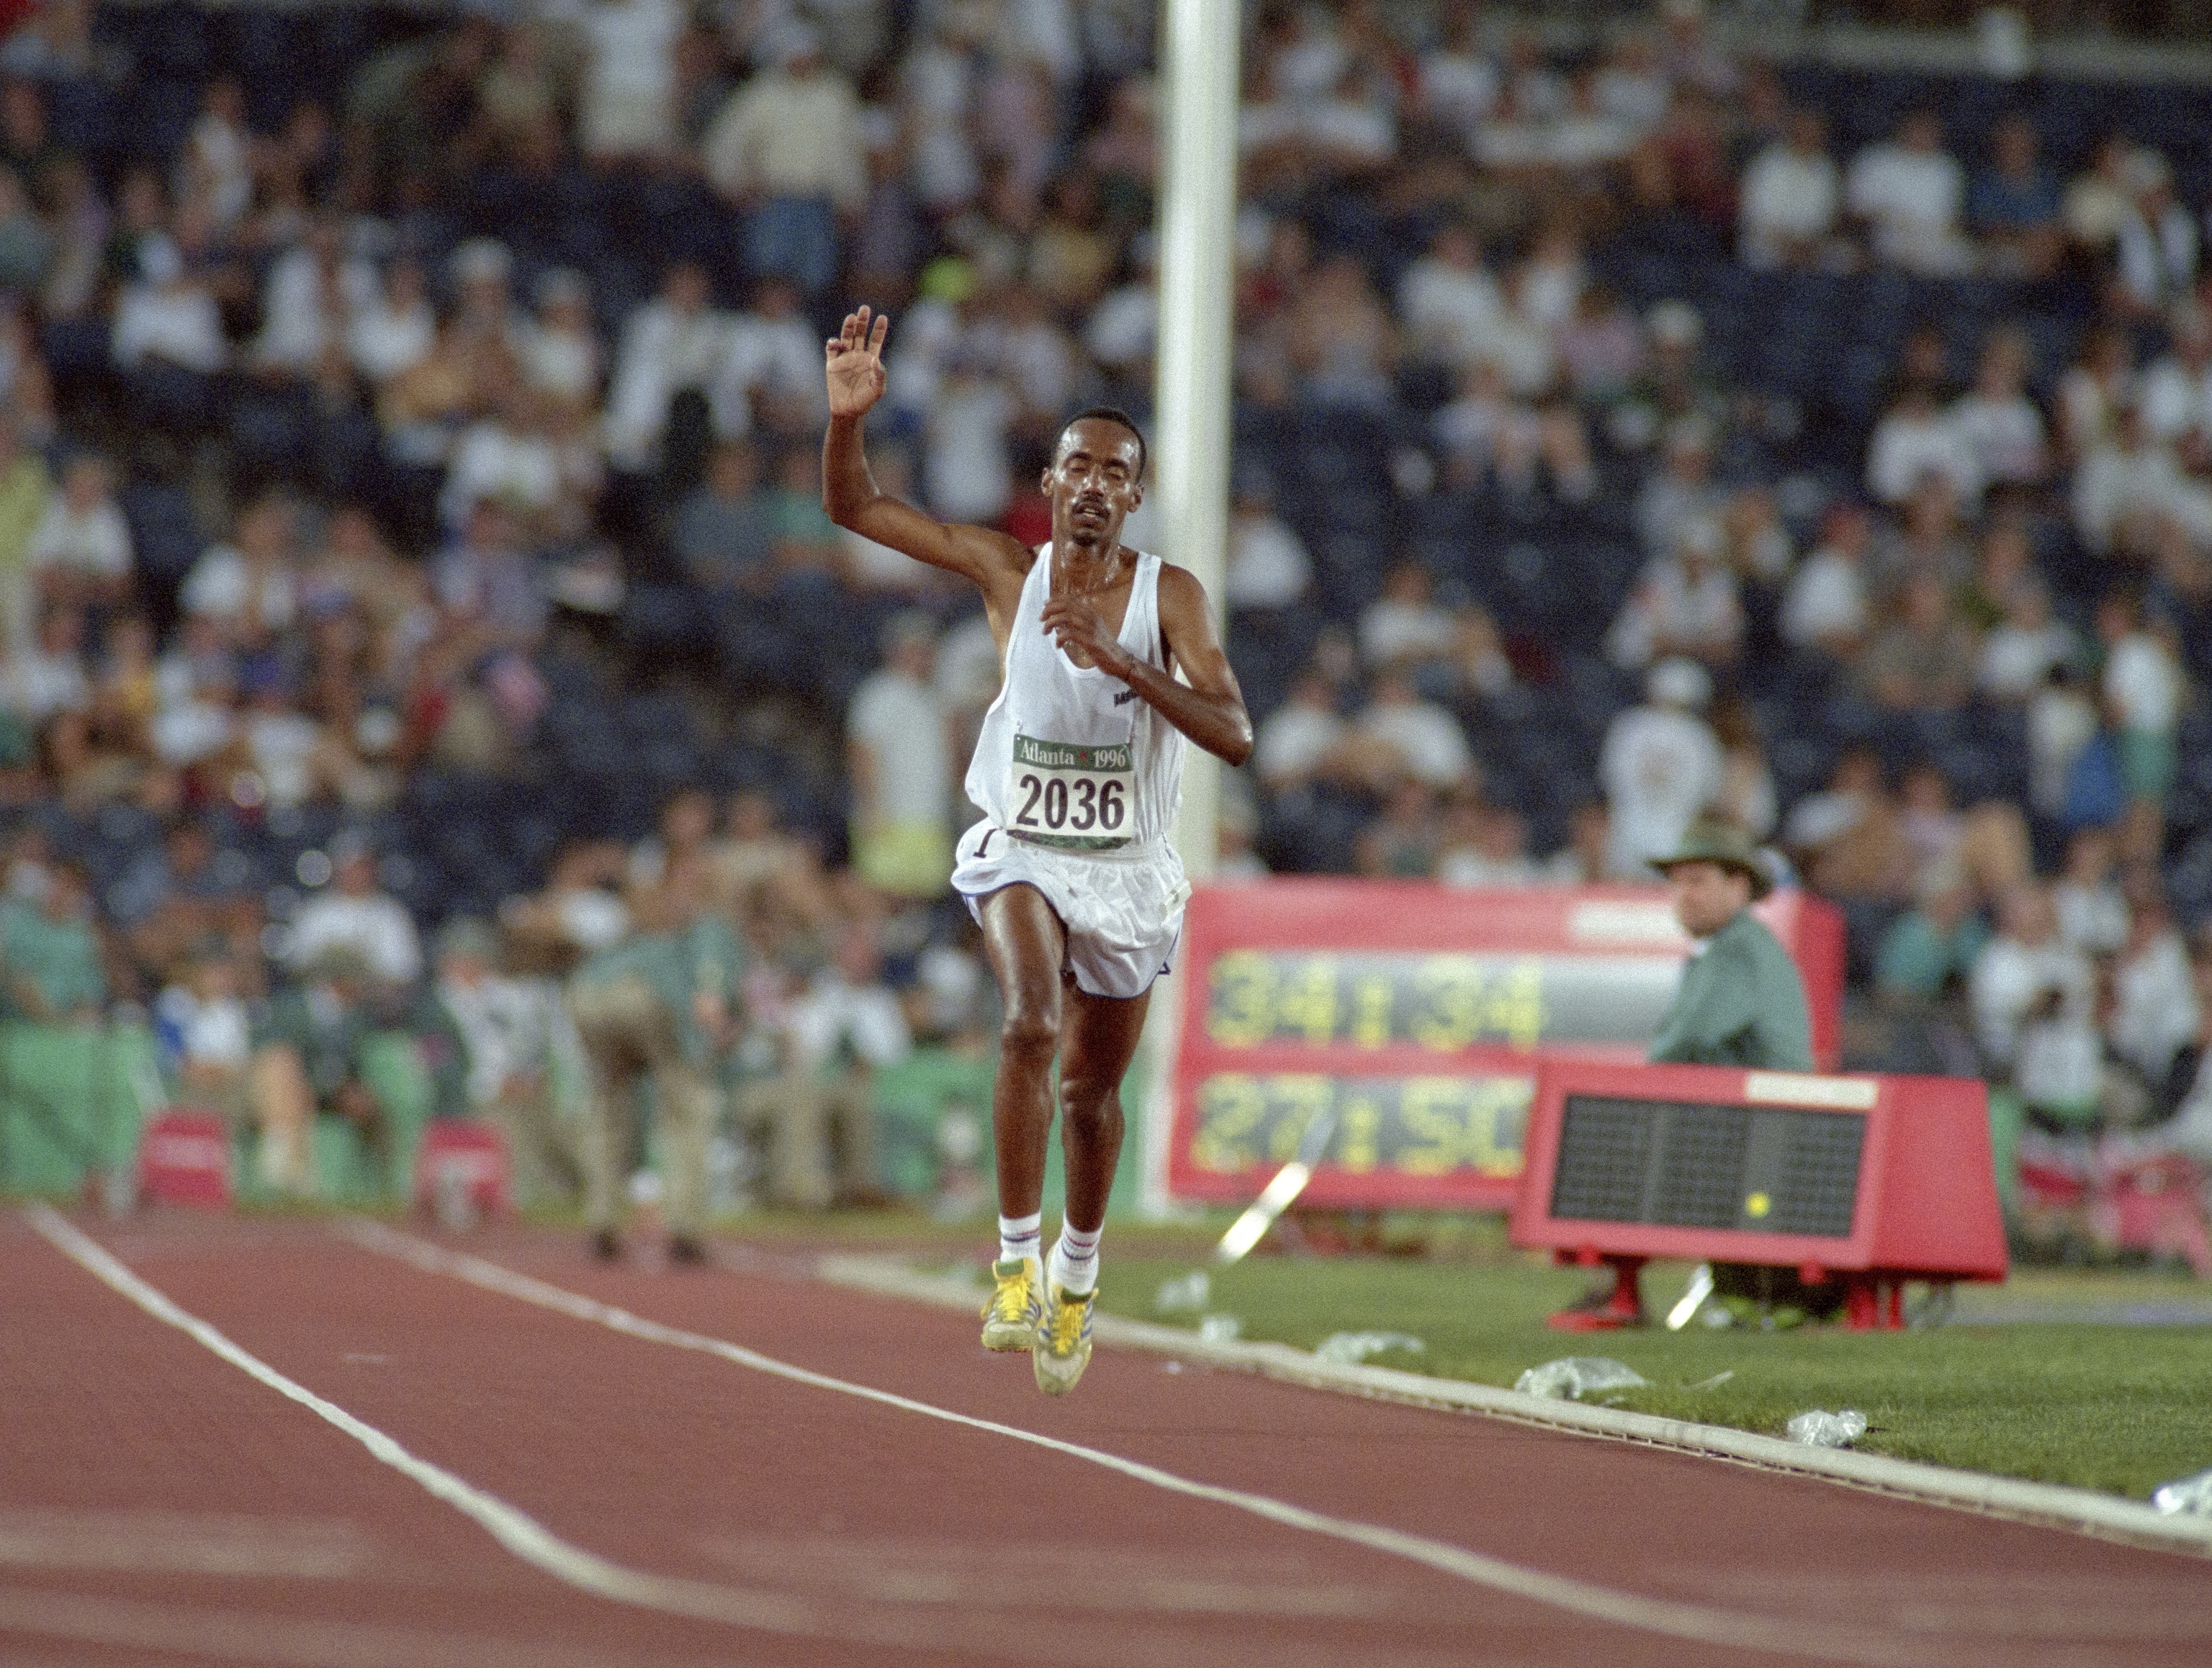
(1198, 49)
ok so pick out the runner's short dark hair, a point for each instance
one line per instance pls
(1113, 414)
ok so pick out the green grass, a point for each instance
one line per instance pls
(2111, 1407)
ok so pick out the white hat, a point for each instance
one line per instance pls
(1678, 682)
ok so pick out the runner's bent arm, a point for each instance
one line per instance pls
(1210, 708)
(854, 364)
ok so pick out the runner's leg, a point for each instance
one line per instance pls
(1026, 944)
(1097, 1042)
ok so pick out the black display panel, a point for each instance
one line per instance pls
(1689, 1164)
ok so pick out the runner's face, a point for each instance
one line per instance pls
(1093, 483)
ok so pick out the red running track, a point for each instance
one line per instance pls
(161, 1507)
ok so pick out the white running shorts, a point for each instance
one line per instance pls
(1122, 910)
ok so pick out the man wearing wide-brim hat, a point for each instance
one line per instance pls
(1741, 1001)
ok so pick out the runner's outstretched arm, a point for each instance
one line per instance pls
(853, 363)
(1210, 708)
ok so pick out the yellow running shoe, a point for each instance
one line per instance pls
(1015, 1310)
(1063, 1343)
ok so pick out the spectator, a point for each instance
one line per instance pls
(1826, 607)
(2155, 256)
(672, 344)
(1661, 766)
(203, 1017)
(1914, 439)
(314, 1053)
(50, 950)
(1582, 860)
(48, 678)
(1790, 199)
(2092, 911)
(80, 552)
(627, 103)
(1922, 660)
(788, 146)
(2033, 1002)
(1302, 740)
(1681, 490)
(845, 1027)
(501, 1045)
(1931, 945)
(561, 356)
(1688, 606)
(1449, 302)
(1998, 425)
(394, 330)
(358, 919)
(1400, 844)
(1421, 740)
(2014, 205)
(2143, 692)
(1406, 627)
(1910, 191)
(2128, 487)
(771, 369)
(2024, 647)
(722, 535)
(2176, 399)
(966, 461)
(248, 588)
(488, 584)
(897, 752)
(168, 340)
(1492, 852)
(2154, 1012)
(1268, 567)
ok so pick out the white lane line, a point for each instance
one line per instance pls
(512, 1528)
(1706, 1626)
(967, 1636)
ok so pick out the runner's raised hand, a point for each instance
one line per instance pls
(853, 361)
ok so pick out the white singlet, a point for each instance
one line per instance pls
(1079, 778)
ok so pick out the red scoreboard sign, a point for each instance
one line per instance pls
(1416, 1013)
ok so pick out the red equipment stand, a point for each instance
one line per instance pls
(1867, 1181)
(184, 1158)
(462, 1161)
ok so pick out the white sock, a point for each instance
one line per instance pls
(1075, 1259)
(1021, 1236)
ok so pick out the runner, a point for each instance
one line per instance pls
(1077, 773)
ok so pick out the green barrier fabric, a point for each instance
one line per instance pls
(70, 1104)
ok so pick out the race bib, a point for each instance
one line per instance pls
(1076, 798)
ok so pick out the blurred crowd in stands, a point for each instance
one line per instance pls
(409, 519)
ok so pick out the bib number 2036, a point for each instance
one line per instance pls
(1065, 794)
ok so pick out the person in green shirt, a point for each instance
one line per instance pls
(51, 952)
(659, 1006)
(310, 1056)
(1741, 1003)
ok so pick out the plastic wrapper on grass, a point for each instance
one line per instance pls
(1350, 1349)
(1187, 1293)
(2190, 1497)
(1820, 1429)
(1573, 1377)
